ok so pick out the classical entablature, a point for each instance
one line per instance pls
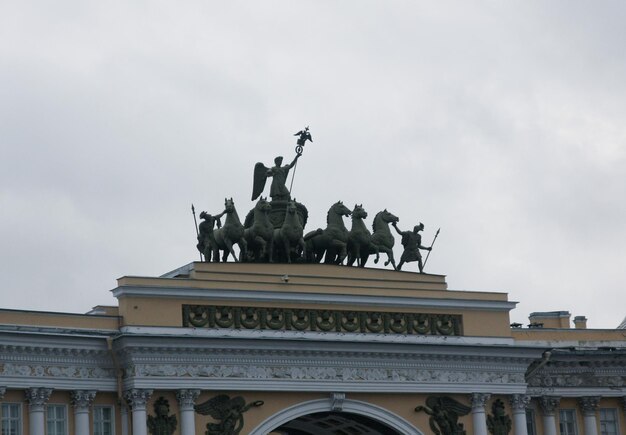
(294, 347)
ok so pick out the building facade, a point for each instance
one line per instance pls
(295, 349)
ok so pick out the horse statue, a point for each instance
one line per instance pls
(382, 236)
(332, 241)
(288, 238)
(231, 233)
(360, 245)
(260, 233)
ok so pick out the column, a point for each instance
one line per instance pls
(124, 417)
(479, 419)
(37, 398)
(588, 406)
(519, 403)
(186, 401)
(549, 404)
(137, 399)
(81, 401)
(2, 391)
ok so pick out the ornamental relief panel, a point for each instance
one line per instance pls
(36, 370)
(283, 319)
(321, 373)
(577, 380)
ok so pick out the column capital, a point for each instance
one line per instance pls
(589, 404)
(37, 398)
(519, 402)
(623, 402)
(82, 399)
(137, 398)
(479, 400)
(549, 404)
(187, 398)
(2, 391)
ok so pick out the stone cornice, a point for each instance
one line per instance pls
(310, 298)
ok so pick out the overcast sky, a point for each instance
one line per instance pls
(503, 123)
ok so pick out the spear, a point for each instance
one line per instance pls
(431, 247)
(193, 211)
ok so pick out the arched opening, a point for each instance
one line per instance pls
(335, 417)
(334, 423)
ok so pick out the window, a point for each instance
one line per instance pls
(567, 421)
(56, 419)
(608, 422)
(530, 422)
(11, 419)
(103, 420)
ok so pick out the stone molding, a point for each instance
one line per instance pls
(82, 399)
(478, 401)
(187, 399)
(303, 319)
(519, 402)
(137, 398)
(549, 404)
(589, 404)
(37, 398)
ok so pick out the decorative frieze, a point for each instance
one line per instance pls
(228, 317)
(44, 371)
(577, 380)
(37, 397)
(324, 373)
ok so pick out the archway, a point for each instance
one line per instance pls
(330, 417)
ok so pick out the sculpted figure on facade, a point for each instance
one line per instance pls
(498, 423)
(206, 239)
(412, 242)
(444, 415)
(228, 412)
(162, 423)
(279, 173)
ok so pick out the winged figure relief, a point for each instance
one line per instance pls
(228, 413)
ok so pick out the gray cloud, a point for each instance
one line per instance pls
(500, 123)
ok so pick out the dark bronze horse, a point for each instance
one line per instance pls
(360, 245)
(330, 243)
(260, 234)
(288, 238)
